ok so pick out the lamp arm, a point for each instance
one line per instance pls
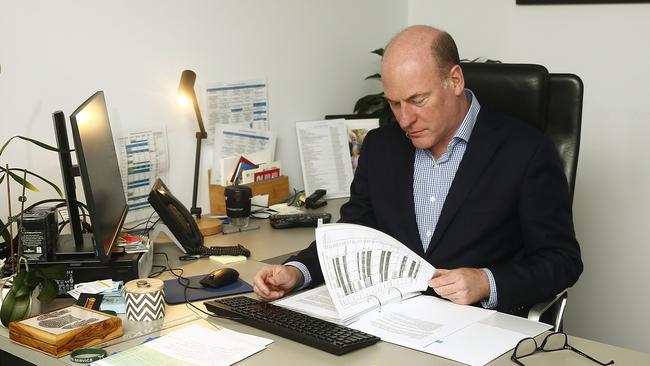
(197, 111)
(197, 160)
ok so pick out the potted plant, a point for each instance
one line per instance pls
(17, 302)
(375, 105)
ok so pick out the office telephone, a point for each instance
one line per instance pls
(176, 217)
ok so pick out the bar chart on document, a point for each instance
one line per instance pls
(143, 157)
(363, 265)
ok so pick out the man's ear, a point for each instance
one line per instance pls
(456, 79)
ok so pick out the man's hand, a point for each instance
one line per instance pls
(462, 285)
(273, 282)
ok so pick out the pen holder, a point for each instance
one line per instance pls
(276, 188)
(144, 299)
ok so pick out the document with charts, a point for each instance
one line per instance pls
(373, 283)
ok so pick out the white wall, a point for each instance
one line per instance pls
(607, 46)
(54, 54)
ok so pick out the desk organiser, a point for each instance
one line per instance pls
(277, 189)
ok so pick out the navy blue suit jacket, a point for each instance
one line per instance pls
(508, 209)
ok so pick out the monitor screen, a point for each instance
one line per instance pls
(100, 172)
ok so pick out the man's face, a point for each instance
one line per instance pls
(425, 102)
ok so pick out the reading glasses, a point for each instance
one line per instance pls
(555, 341)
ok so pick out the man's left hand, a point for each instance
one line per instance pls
(462, 285)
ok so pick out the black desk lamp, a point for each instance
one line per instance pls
(187, 95)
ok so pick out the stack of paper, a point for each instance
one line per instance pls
(94, 287)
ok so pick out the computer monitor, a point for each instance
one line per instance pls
(100, 175)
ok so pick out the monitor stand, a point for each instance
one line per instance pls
(66, 247)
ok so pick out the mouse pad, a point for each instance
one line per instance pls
(174, 290)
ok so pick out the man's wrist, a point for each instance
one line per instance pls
(306, 276)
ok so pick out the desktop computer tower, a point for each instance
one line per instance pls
(125, 267)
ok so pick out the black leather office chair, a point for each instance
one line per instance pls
(552, 103)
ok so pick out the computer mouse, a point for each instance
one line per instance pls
(220, 277)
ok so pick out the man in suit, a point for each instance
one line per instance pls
(481, 197)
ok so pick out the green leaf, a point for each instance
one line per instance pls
(14, 307)
(36, 142)
(19, 280)
(374, 76)
(5, 232)
(54, 186)
(56, 272)
(7, 307)
(22, 181)
(49, 291)
(378, 51)
(31, 281)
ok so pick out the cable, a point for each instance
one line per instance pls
(143, 222)
(180, 277)
(146, 230)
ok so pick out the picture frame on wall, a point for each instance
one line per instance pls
(556, 2)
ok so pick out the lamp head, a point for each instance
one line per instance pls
(186, 88)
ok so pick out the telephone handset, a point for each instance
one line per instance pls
(175, 216)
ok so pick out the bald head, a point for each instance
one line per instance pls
(422, 42)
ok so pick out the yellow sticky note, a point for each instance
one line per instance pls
(226, 259)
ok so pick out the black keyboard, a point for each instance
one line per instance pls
(231, 250)
(314, 332)
(280, 221)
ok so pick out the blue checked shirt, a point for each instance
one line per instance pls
(431, 182)
(432, 179)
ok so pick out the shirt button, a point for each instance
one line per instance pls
(429, 233)
(432, 199)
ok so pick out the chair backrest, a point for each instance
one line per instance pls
(552, 103)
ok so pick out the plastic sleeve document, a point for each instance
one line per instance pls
(194, 345)
(325, 157)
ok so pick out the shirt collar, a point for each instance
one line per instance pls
(466, 127)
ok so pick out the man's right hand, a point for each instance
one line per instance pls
(273, 282)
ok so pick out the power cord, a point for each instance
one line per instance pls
(186, 285)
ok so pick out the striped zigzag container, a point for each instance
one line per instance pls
(144, 299)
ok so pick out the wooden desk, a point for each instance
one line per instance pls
(267, 243)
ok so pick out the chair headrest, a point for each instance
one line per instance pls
(520, 91)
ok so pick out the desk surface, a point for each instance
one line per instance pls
(267, 243)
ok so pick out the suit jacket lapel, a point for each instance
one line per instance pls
(483, 142)
(404, 203)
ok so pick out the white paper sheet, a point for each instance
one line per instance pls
(325, 157)
(192, 345)
(143, 157)
(237, 103)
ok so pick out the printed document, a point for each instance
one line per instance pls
(143, 157)
(325, 157)
(194, 345)
(236, 104)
